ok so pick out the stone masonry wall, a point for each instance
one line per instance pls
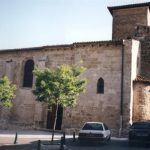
(145, 58)
(26, 111)
(102, 59)
(141, 111)
(125, 20)
(142, 33)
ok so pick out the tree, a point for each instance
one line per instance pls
(7, 90)
(60, 86)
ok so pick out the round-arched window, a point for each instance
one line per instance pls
(28, 73)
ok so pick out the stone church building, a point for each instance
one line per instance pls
(118, 76)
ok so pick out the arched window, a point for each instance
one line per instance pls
(100, 86)
(28, 75)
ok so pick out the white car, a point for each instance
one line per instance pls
(94, 131)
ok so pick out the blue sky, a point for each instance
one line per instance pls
(31, 23)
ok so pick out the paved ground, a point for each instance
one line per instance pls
(28, 140)
(7, 137)
(116, 144)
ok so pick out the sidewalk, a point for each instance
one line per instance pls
(27, 139)
(27, 133)
(26, 136)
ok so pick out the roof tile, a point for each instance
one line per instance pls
(140, 78)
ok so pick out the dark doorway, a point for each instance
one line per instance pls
(51, 118)
(28, 75)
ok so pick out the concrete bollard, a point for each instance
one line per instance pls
(16, 138)
(64, 137)
(74, 136)
(39, 145)
(62, 143)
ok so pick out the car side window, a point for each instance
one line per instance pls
(106, 128)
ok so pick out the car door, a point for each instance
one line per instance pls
(107, 131)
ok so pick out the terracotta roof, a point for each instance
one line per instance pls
(118, 42)
(35, 48)
(99, 42)
(128, 6)
(140, 78)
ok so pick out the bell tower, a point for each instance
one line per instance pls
(126, 17)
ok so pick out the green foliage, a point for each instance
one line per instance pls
(61, 85)
(7, 90)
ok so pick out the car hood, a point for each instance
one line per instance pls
(91, 131)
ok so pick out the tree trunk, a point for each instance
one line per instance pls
(53, 132)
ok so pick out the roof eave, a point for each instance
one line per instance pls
(128, 6)
(117, 42)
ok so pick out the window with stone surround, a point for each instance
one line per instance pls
(100, 86)
(28, 75)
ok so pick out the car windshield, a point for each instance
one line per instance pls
(141, 126)
(93, 126)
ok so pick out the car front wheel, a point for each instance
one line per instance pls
(108, 139)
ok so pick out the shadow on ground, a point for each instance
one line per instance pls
(76, 145)
(45, 145)
(19, 147)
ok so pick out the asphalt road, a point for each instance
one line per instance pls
(115, 144)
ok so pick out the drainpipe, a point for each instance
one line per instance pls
(122, 85)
